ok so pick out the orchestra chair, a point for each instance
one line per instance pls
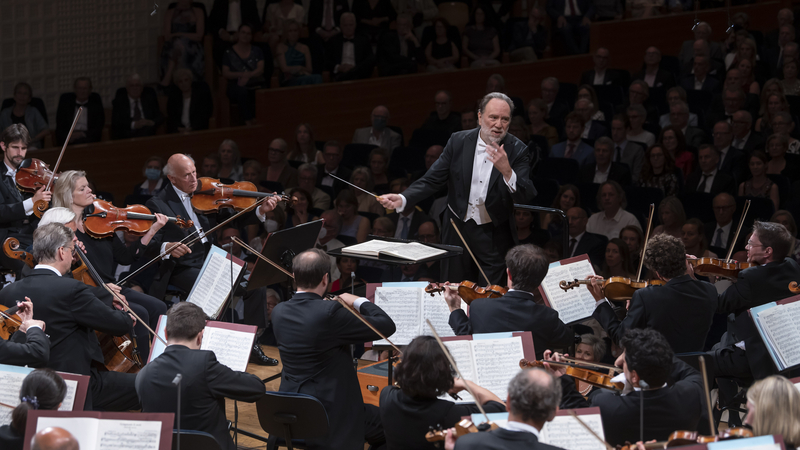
(195, 440)
(290, 418)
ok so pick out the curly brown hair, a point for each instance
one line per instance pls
(666, 255)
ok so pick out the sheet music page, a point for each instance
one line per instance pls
(566, 432)
(413, 251)
(403, 306)
(129, 434)
(461, 351)
(231, 347)
(435, 309)
(214, 284)
(496, 363)
(576, 303)
(783, 334)
(69, 399)
(84, 429)
(9, 394)
(372, 247)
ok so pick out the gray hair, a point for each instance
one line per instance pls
(598, 345)
(308, 167)
(167, 170)
(639, 109)
(57, 214)
(552, 80)
(64, 186)
(534, 395)
(604, 140)
(272, 293)
(48, 239)
(495, 95)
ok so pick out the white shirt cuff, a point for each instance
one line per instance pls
(133, 124)
(600, 302)
(740, 344)
(164, 247)
(34, 326)
(512, 182)
(261, 216)
(403, 205)
(28, 205)
(359, 301)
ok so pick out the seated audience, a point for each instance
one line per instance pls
(279, 169)
(674, 95)
(572, 20)
(224, 21)
(587, 92)
(469, 119)
(582, 241)
(627, 152)
(612, 217)
(679, 120)
(557, 109)
(573, 147)
(528, 38)
(604, 169)
(537, 111)
(601, 74)
(700, 79)
(592, 128)
(135, 111)
(305, 148)
(211, 165)
(307, 180)
(353, 224)
(733, 99)
(407, 223)
(443, 118)
(782, 123)
(672, 217)
(253, 172)
(637, 115)
(154, 180)
(349, 55)
(786, 219)
(230, 161)
(23, 113)
(347, 268)
(773, 408)
(332, 154)
(708, 178)
(92, 120)
(526, 232)
(771, 104)
(374, 16)
(189, 105)
(480, 41)
(634, 238)
(759, 185)
(276, 18)
(617, 262)
(720, 233)
(294, 58)
(183, 30)
(366, 203)
(300, 211)
(442, 53)
(243, 66)
(378, 166)
(379, 133)
(399, 51)
(568, 196)
(731, 160)
(748, 78)
(693, 235)
(639, 94)
(744, 138)
(652, 73)
(791, 85)
(42, 389)
(420, 13)
(324, 17)
(659, 171)
(745, 48)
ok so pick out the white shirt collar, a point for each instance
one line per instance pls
(9, 171)
(597, 169)
(183, 195)
(481, 148)
(45, 266)
(524, 427)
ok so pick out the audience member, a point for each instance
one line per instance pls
(135, 111)
(637, 115)
(708, 178)
(324, 17)
(731, 160)
(305, 149)
(230, 161)
(679, 118)
(154, 181)
(786, 219)
(582, 241)
(557, 109)
(224, 21)
(625, 151)
(300, 211)
(617, 262)
(253, 172)
(785, 17)
(211, 165)
(443, 118)
(374, 16)
(469, 119)
(674, 95)
(366, 202)
(700, 78)
(759, 185)
(307, 180)
(601, 74)
(353, 224)
(720, 232)
(243, 65)
(42, 389)
(659, 171)
(431, 156)
(634, 238)
(526, 232)
(782, 123)
(791, 85)
(537, 111)
(674, 143)
(672, 217)
(733, 99)
(480, 41)
(349, 55)
(693, 235)
(183, 31)
(420, 13)
(407, 222)
(786, 48)
(378, 165)
(652, 73)
(573, 147)
(702, 32)
(92, 120)
(399, 51)
(279, 169)
(379, 134)
(745, 48)
(777, 147)
(639, 94)
(744, 139)
(587, 92)
(442, 53)
(748, 77)
(383, 227)
(332, 153)
(604, 169)
(528, 38)
(189, 104)
(592, 129)
(612, 217)
(572, 20)
(23, 113)
(775, 103)
(276, 18)
(347, 269)
(568, 196)
(330, 237)
(294, 58)
(519, 129)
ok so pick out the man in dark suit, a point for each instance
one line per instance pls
(768, 247)
(204, 382)
(314, 338)
(28, 346)
(349, 55)
(652, 73)
(708, 178)
(744, 138)
(225, 31)
(324, 17)
(573, 147)
(592, 129)
(557, 109)
(626, 152)
(406, 223)
(135, 111)
(533, 398)
(332, 152)
(72, 314)
(183, 263)
(604, 169)
(785, 17)
(733, 99)
(667, 384)
(701, 79)
(785, 49)
(398, 51)
(731, 160)
(720, 233)
(16, 208)
(515, 311)
(572, 19)
(681, 310)
(443, 118)
(90, 124)
(582, 242)
(601, 74)
(486, 172)
(201, 103)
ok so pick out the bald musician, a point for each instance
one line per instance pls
(54, 438)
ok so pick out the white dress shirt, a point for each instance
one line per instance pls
(599, 77)
(698, 84)
(26, 204)
(185, 113)
(521, 427)
(48, 267)
(739, 143)
(375, 140)
(610, 228)
(601, 177)
(328, 181)
(137, 103)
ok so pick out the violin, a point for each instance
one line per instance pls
(9, 321)
(468, 290)
(32, 175)
(211, 195)
(716, 267)
(615, 288)
(11, 249)
(596, 379)
(680, 438)
(465, 426)
(794, 288)
(102, 219)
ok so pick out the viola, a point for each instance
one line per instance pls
(468, 290)
(593, 377)
(615, 288)
(465, 426)
(211, 195)
(794, 288)
(716, 267)
(11, 249)
(102, 219)
(9, 321)
(32, 175)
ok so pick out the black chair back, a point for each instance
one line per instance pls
(292, 416)
(195, 440)
(568, 92)
(698, 205)
(425, 138)
(564, 170)
(407, 160)
(546, 191)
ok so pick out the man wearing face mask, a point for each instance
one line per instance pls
(379, 133)
(486, 172)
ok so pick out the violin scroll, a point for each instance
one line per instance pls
(183, 223)
(794, 287)
(567, 285)
(11, 249)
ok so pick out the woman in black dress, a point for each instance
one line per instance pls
(41, 389)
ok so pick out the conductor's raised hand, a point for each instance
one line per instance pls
(391, 201)
(596, 287)
(497, 155)
(176, 249)
(269, 204)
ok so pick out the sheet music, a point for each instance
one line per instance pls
(11, 383)
(575, 304)
(403, 306)
(413, 251)
(69, 398)
(214, 284)
(107, 434)
(496, 363)
(372, 247)
(436, 310)
(461, 351)
(231, 347)
(566, 432)
(783, 334)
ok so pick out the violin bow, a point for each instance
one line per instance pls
(351, 184)
(707, 392)
(590, 430)
(258, 254)
(6, 405)
(453, 223)
(366, 322)
(41, 205)
(590, 364)
(453, 363)
(646, 238)
(738, 229)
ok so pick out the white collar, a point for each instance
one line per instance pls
(597, 169)
(524, 427)
(182, 195)
(481, 147)
(9, 171)
(746, 136)
(48, 267)
(710, 174)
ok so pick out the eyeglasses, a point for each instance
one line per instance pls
(276, 150)
(751, 245)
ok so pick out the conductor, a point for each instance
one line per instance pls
(471, 166)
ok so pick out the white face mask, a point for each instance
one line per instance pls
(322, 233)
(270, 225)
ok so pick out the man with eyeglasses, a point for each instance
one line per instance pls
(279, 170)
(332, 152)
(443, 118)
(719, 234)
(379, 134)
(708, 178)
(733, 99)
(744, 138)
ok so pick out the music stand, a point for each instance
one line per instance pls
(281, 247)
(451, 251)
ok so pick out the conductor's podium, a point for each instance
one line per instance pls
(373, 378)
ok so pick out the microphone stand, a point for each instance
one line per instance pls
(564, 222)
(643, 385)
(177, 382)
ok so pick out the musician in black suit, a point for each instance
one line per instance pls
(28, 346)
(349, 55)
(486, 171)
(768, 247)
(667, 384)
(332, 152)
(604, 169)
(201, 105)
(581, 241)
(314, 338)
(72, 314)
(533, 399)
(16, 208)
(90, 124)
(681, 310)
(515, 311)
(135, 111)
(707, 178)
(204, 384)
